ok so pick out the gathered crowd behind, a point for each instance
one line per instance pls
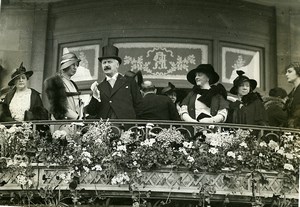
(129, 96)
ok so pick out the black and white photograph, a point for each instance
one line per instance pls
(149, 103)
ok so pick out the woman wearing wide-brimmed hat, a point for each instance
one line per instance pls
(248, 108)
(24, 103)
(62, 92)
(206, 103)
(175, 94)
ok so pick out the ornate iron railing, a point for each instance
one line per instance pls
(167, 182)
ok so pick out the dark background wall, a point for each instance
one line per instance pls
(35, 33)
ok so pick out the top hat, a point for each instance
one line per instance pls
(68, 59)
(110, 51)
(239, 80)
(19, 71)
(168, 89)
(207, 69)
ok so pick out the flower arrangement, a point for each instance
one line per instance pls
(97, 148)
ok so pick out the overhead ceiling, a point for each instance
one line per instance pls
(276, 3)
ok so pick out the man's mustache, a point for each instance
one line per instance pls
(107, 67)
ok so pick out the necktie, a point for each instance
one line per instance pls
(112, 82)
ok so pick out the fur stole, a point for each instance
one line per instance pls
(250, 98)
(273, 101)
(208, 94)
(57, 96)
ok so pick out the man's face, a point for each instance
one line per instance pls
(110, 66)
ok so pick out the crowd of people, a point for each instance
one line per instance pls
(128, 96)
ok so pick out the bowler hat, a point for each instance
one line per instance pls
(19, 71)
(110, 51)
(168, 89)
(207, 69)
(68, 59)
(239, 80)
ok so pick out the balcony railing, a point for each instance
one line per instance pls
(206, 164)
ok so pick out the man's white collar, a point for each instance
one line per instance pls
(113, 77)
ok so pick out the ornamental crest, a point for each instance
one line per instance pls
(162, 60)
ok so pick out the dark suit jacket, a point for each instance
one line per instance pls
(123, 99)
(293, 108)
(158, 107)
(36, 111)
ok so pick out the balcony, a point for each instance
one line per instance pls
(137, 163)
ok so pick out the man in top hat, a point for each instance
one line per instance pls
(206, 103)
(117, 96)
(62, 92)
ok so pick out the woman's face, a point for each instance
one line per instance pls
(172, 96)
(201, 79)
(71, 70)
(21, 82)
(244, 88)
(291, 75)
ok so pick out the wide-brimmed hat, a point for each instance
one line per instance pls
(19, 71)
(170, 88)
(110, 51)
(207, 69)
(239, 80)
(68, 59)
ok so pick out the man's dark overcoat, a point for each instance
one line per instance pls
(158, 107)
(123, 100)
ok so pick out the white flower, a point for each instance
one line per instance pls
(239, 157)
(134, 163)
(71, 157)
(59, 134)
(263, 144)
(120, 178)
(21, 179)
(86, 169)
(288, 167)
(23, 164)
(261, 155)
(273, 145)
(98, 141)
(188, 144)
(86, 154)
(148, 142)
(10, 162)
(181, 149)
(243, 144)
(280, 151)
(289, 156)
(190, 159)
(121, 148)
(97, 168)
(213, 150)
(62, 176)
(117, 154)
(231, 154)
